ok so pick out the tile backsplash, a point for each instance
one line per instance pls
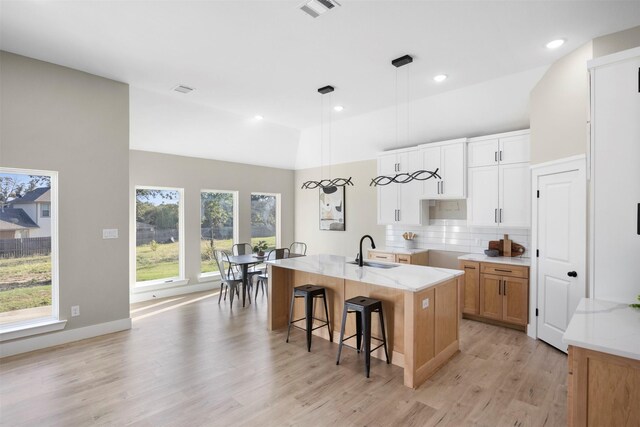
(455, 235)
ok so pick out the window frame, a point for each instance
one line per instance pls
(165, 282)
(236, 228)
(52, 322)
(278, 214)
(42, 210)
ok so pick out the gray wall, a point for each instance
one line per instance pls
(195, 174)
(360, 210)
(56, 118)
(616, 42)
(560, 100)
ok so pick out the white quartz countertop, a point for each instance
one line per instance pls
(399, 251)
(525, 262)
(407, 277)
(605, 326)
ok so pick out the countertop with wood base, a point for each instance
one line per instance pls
(420, 306)
(604, 364)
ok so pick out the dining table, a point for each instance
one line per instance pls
(244, 262)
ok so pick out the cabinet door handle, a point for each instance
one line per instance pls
(398, 214)
(504, 288)
(495, 215)
(499, 287)
(500, 155)
(441, 187)
(504, 271)
(500, 217)
(470, 268)
(495, 156)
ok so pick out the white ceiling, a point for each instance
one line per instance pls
(268, 57)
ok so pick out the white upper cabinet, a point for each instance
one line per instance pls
(501, 149)
(483, 152)
(450, 160)
(515, 195)
(499, 180)
(483, 202)
(400, 203)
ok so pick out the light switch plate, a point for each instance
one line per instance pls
(110, 233)
(425, 303)
(75, 310)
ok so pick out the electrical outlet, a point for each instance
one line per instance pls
(75, 310)
(425, 303)
(478, 242)
(109, 233)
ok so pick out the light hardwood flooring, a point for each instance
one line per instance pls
(189, 362)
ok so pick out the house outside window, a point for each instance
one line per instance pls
(28, 249)
(45, 210)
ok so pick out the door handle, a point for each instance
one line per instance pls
(495, 215)
(495, 156)
(500, 155)
(441, 187)
(572, 274)
(500, 216)
(499, 287)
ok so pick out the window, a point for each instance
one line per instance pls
(159, 245)
(218, 225)
(45, 209)
(28, 250)
(265, 219)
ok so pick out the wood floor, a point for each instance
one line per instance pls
(189, 362)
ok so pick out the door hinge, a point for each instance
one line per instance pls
(537, 253)
(536, 312)
(538, 194)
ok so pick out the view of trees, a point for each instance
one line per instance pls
(263, 210)
(12, 186)
(158, 208)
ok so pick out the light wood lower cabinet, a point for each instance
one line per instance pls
(603, 389)
(416, 258)
(470, 287)
(496, 293)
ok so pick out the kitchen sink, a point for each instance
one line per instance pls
(374, 264)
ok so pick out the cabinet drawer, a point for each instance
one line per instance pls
(403, 259)
(382, 256)
(505, 270)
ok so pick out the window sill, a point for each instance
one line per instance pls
(158, 285)
(208, 277)
(34, 327)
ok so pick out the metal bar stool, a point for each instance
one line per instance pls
(309, 293)
(363, 307)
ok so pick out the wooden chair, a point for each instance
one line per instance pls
(298, 248)
(264, 276)
(228, 280)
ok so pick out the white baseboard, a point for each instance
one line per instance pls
(62, 337)
(173, 291)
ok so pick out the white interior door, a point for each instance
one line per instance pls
(561, 213)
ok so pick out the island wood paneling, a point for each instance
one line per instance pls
(419, 339)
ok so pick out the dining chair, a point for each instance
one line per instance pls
(228, 280)
(298, 248)
(245, 249)
(280, 253)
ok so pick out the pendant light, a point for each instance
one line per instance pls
(403, 177)
(328, 185)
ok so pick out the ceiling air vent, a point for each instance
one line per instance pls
(315, 8)
(183, 89)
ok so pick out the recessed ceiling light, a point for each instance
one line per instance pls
(554, 44)
(338, 108)
(258, 117)
(440, 78)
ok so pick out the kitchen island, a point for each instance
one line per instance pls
(421, 306)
